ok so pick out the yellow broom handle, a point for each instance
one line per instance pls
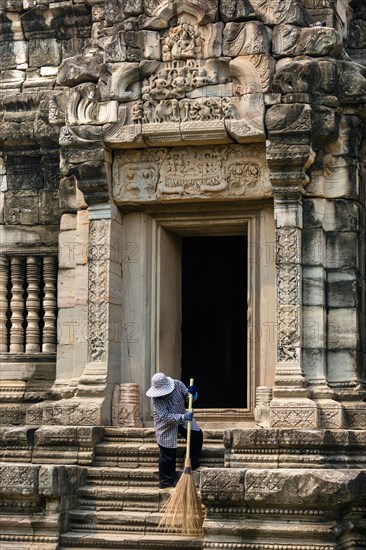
(189, 427)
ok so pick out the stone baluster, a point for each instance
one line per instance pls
(33, 304)
(4, 274)
(17, 305)
(49, 304)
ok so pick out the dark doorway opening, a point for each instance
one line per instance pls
(214, 319)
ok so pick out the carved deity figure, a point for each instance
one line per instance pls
(182, 42)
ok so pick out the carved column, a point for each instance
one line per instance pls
(4, 274)
(49, 304)
(17, 305)
(33, 304)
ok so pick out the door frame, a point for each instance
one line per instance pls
(258, 224)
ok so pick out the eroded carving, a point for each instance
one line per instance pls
(160, 174)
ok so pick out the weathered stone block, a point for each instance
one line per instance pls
(57, 481)
(276, 12)
(342, 328)
(245, 39)
(11, 79)
(344, 289)
(67, 249)
(289, 119)
(49, 211)
(78, 69)
(313, 247)
(66, 288)
(310, 489)
(290, 40)
(342, 250)
(21, 208)
(220, 485)
(19, 480)
(238, 10)
(341, 179)
(62, 21)
(314, 364)
(13, 54)
(250, 438)
(341, 367)
(313, 286)
(44, 52)
(313, 328)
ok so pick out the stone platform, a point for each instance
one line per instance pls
(262, 489)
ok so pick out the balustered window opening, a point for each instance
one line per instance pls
(28, 304)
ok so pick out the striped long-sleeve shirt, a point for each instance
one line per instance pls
(168, 410)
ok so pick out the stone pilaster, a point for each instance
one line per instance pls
(288, 158)
(104, 280)
(290, 406)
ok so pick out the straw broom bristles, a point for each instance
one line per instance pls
(182, 513)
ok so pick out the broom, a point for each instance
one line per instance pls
(183, 513)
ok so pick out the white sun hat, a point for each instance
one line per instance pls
(160, 385)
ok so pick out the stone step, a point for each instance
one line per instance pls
(147, 435)
(141, 454)
(112, 521)
(125, 541)
(137, 448)
(126, 477)
(121, 498)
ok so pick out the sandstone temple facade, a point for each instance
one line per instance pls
(183, 190)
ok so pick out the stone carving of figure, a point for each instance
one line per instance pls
(137, 112)
(179, 84)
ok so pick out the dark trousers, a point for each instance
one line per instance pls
(167, 457)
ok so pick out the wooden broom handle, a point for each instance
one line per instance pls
(189, 427)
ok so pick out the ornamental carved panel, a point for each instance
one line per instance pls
(229, 172)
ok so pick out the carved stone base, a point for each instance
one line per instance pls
(294, 448)
(69, 412)
(288, 413)
(35, 503)
(355, 415)
(283, 509)
(12, 414)
(330, 414)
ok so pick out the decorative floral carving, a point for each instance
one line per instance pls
(98, 257)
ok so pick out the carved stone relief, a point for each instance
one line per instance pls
(98, 259)
(231, 171)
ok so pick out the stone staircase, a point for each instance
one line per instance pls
(120, 505)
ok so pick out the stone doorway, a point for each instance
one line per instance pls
(214, 318)
(158, 249)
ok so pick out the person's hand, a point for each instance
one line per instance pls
(187, 416)
(192, 389)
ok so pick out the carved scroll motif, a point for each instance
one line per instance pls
(98, 260)
(288, 293)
